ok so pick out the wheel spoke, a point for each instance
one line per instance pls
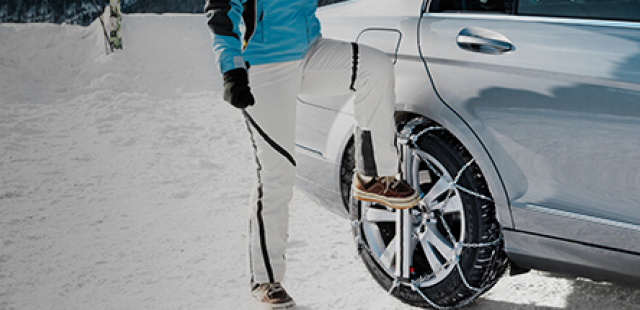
(379, 215)
(441, 205)
(441, 243)
(433, 260)
(451, 205)
(432, 241)
(441, 187)
(386, 257)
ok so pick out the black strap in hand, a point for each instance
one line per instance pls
(236, 88)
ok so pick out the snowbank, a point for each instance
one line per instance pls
(124, 181)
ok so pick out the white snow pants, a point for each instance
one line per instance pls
(329, 68)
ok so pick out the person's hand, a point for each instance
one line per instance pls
(236, 88)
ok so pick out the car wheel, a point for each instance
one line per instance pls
(455, 250)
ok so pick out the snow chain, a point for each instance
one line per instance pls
(411, 141)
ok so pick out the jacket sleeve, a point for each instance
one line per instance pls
(224, 18)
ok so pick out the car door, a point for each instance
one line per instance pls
(552, 89)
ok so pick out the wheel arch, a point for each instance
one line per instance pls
(461, 131)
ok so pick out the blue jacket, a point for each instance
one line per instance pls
(274, 30)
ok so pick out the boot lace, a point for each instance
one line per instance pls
(389, 182)
(275, 289)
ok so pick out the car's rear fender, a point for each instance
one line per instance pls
(417, 98)
(319, 160)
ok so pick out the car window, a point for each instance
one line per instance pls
(486, 6)
(628, 10)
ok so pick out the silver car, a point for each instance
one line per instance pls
(519, 124)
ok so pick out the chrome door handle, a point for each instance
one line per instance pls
(483, 41)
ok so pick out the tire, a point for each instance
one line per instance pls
(460, 223)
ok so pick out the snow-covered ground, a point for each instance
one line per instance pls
(124, 182)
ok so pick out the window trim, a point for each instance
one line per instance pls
(537, 19)
(609, 22)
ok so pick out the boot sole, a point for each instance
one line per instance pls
(285, 306)
(391, 202)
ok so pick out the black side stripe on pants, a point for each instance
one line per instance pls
(260, 207)
(354, 67)
(263, 238)
(270, 141)
(366, 151)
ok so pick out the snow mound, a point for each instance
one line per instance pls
(48, 55)
(166, 55)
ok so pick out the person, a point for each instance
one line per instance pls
(268, 52)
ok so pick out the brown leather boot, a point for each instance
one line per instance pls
(272, 296)
(387, 190)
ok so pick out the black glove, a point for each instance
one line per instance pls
(236, 88)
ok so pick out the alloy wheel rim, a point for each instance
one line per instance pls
(438, 225)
